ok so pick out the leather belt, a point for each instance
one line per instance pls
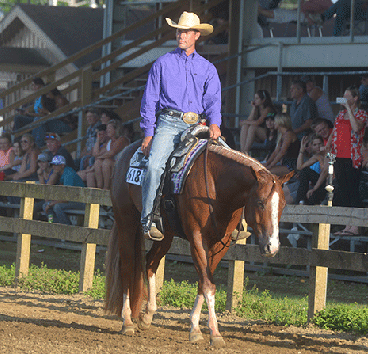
(188, 117)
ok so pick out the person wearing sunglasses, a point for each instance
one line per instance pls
(28, 169)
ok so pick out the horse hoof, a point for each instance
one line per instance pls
(127, 330)
(143, 326)
(217, 342)
(195, 337)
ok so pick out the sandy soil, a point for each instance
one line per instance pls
(39, 323)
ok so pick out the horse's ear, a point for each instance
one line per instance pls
(285, 178)
(257, 174)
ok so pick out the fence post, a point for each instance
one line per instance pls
(87, 263)
(318, 275)
(24, 240)
(235, 278)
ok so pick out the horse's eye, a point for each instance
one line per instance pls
(261, 204)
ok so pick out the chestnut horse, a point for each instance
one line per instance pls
(208, 213)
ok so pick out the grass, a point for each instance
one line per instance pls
(255, 304)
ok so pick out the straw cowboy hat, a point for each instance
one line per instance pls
(189, 20)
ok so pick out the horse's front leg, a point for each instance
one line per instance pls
(154, 256)
(207, 288)
(128, 327)
(215, 336)
(195, 333)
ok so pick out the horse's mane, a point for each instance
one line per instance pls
(237, 156)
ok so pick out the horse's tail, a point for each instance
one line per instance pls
(125, 270)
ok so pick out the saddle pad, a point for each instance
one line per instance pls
(137, 168)
(182, 166)
(181, 161)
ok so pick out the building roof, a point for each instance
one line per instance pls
(69, 28)
(22, 56)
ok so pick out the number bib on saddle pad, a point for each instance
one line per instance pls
(137, 168)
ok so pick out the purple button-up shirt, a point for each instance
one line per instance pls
(186, 83)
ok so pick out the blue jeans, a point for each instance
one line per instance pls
(167, 136)
(59, 214)
(52, 126)
(39, 133)
(342, 10)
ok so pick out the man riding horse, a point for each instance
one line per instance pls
(182, 88)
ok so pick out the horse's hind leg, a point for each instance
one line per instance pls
(145, 318)
(126, 314)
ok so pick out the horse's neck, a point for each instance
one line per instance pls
(233, 176)
(237, 157)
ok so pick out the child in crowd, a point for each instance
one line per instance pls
(44, 171)
(314, 170)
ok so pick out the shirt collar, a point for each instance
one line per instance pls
(183, 55)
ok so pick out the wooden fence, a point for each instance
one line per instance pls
(319, 258)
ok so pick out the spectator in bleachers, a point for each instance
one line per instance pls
(87, 174)
(254, 127)
(128, 131)
(271, 140)
(303, 110)
(67, 177)
(44, 171)
(363, 92)
(313, 170)
(322, 128)
(107, 115)
(86, 158)
(41, 107)
(53, 143)
(59, 125)
(313, 8)
(269, 10)
(324, 109)
(105, 161)
(346, 144)
(14, 166)
(7, 155)
(284, 157)
(44, 174)
(28, 169)
(341, 10)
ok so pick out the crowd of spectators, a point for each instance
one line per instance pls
(295, 141)
(313, 12)
(51, 163)
(42, 106)
(306, 135)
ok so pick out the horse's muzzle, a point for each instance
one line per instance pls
(269, 247)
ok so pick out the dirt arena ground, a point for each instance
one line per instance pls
(38, 323)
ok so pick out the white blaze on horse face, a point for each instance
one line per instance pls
(274, 240)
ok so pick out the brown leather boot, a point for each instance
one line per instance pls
(153, 234)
